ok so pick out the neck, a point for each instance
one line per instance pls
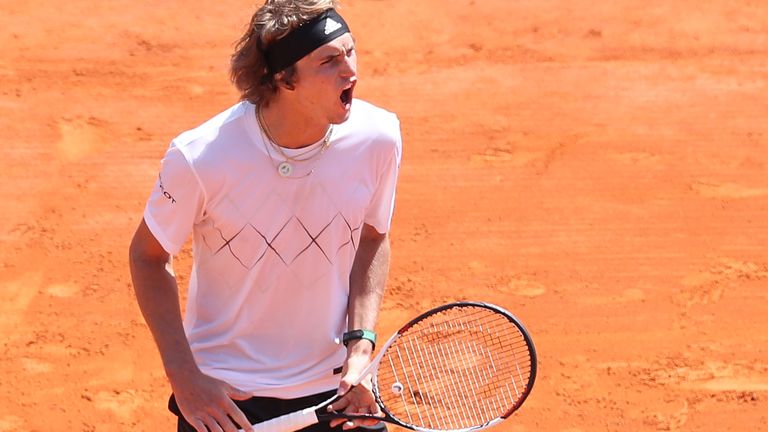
(289, 127)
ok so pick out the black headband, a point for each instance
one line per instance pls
(304, 39)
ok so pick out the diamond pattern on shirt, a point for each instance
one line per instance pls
(266, 231)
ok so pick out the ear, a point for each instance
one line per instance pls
(284, 82)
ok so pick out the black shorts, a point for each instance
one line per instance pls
(259, 409)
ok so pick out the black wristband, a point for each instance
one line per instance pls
(359, 334)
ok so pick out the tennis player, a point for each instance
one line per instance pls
(288, 197)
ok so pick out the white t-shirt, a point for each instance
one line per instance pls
(272, 255)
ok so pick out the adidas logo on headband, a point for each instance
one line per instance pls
(331, 26)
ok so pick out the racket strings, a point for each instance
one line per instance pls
(460, 368)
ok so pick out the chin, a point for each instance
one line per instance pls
(339, 117)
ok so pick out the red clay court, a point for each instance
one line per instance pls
(598, 168)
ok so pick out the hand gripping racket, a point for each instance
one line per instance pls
(459, 367)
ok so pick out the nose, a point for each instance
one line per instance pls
(349, 68)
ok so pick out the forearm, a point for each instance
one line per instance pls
(158, 298)
(368, 279)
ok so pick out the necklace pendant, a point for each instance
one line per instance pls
(285, 169)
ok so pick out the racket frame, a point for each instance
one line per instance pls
(375, 363)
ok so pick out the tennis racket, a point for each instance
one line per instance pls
(459, 367)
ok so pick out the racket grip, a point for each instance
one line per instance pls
(287, 423)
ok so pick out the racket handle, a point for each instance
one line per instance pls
(287, 423)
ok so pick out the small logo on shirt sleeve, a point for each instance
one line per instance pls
(166, 194)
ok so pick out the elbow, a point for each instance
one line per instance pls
(370, 234)
(145, 250)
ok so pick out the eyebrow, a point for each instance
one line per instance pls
(337, 52)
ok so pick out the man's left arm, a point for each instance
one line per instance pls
(368, 279)
(366, 289)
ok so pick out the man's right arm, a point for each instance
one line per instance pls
(204, 401)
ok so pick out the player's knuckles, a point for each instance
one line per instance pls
(209, 410)
(218, 406)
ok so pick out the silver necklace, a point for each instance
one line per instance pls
(285, 168)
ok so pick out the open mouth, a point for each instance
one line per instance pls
(346, 94)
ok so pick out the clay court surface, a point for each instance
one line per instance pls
(598, 168)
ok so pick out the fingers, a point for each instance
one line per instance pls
(219, 421)
(357, 401)
(351, 424)
(236, 393)
(205, 424)
(339, 405)
(359, 422)
(213, 425)
(198, 425)
(223, 423)
(224, 417)
(207, 404)
(335, 422)
(229, 417)
(235, 414)
(233, 411)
